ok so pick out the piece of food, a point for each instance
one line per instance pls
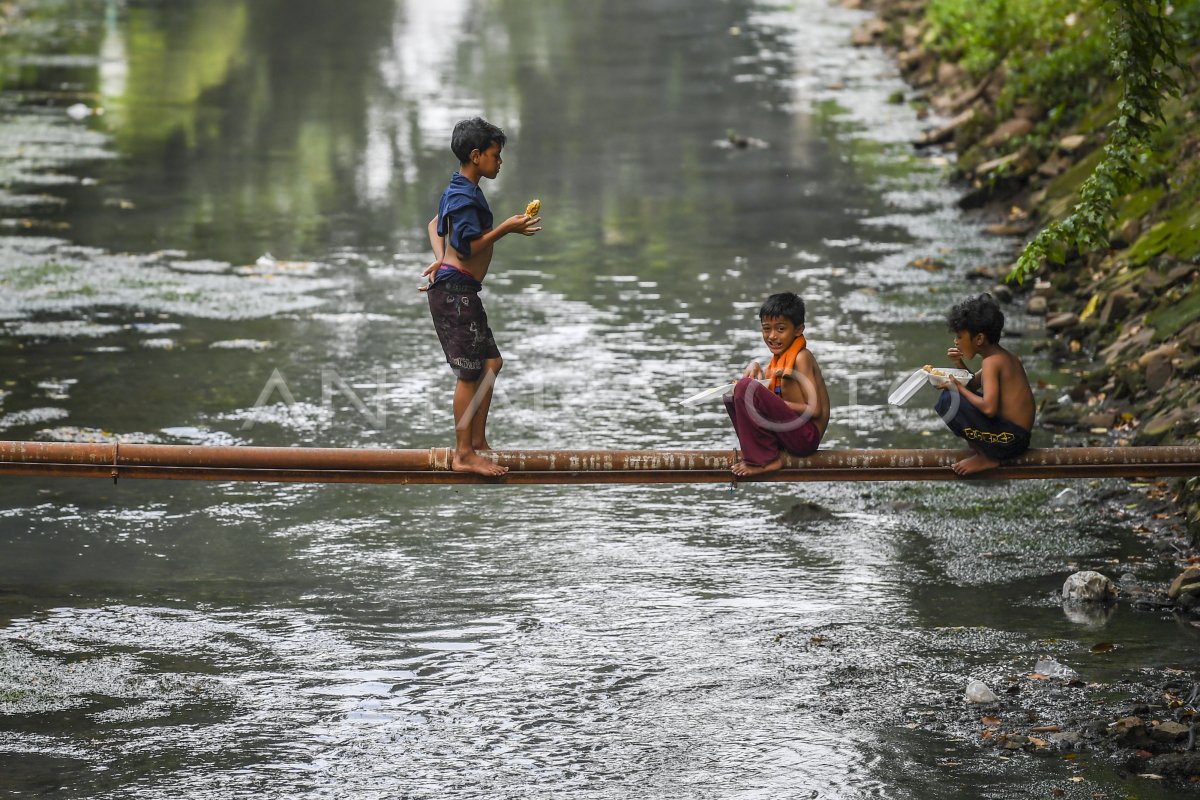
(534, 208)
(933, 371)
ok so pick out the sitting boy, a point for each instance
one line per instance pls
(792, 411)
(994, 412)
(463, 239)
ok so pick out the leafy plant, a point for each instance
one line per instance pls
(983, 34)
(1142, 46)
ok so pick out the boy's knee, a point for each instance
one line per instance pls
(494, 364)
(468, 375)
(743, 386)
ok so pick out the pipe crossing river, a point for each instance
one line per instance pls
(432, 465)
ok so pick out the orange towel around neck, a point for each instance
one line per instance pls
(783, 364)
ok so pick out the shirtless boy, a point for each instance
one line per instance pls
(792, 411)
(462, 238)
(994, 412)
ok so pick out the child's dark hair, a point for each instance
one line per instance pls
(474, 134)
(977, 315)
(784, 304)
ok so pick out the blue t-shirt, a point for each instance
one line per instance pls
(469, 214)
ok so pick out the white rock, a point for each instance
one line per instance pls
(1089, 587)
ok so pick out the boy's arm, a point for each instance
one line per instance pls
(515, 224)
(803, 373)
(435, 242)
(519, 223)
(989, 379)
(955, 355)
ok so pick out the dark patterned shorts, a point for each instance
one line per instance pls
(462, 328)
(995, 437)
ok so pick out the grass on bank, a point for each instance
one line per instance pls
(1073, 61)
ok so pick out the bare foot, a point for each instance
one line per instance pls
(744, 470)
(976, 463)
(473, 462)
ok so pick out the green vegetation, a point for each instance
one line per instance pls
(1052, 54)
(1142, 42)
(1171, 319)
(23, 278)
(1021, 504)
(1020, 34)
(12, 695)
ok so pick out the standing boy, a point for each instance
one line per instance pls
(792, 411)
(994, 411)
(462, 238)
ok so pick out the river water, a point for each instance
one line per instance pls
(220, 244)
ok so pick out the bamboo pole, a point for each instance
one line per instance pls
(432, 466)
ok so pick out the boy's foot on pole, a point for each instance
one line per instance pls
(976, 463)
(744, 470)
(473, 462)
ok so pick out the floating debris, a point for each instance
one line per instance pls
(155, 327)
(242, 344)
(979, 693)
(57, 389)
(929, 264)
(71, 433)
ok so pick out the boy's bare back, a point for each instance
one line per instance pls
(1016, 397)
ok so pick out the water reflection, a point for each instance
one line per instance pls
(1090, 615)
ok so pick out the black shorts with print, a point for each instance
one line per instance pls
(462, 327)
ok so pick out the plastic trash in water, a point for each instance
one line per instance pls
(1052, 669)
(78, 111)
(979, 693)
(1067, 497)
(266, 261)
